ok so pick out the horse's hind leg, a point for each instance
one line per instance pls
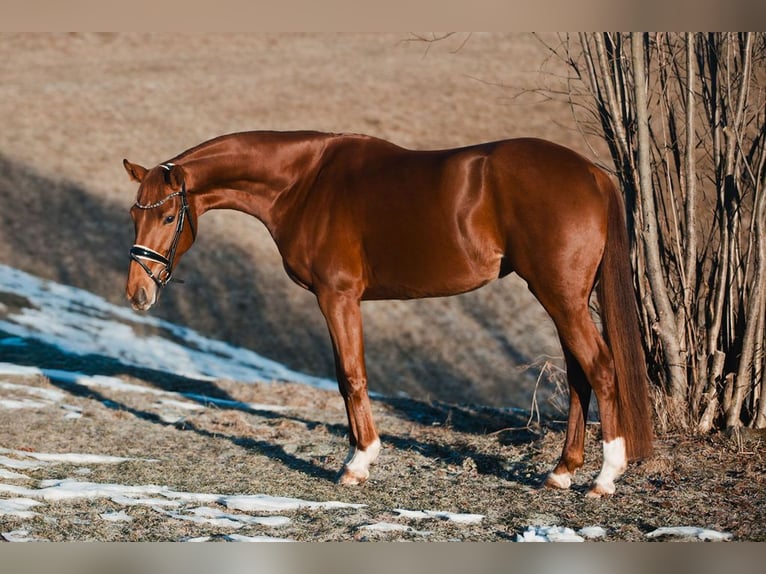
(573, 455)
(580, 336)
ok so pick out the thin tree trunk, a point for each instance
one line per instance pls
(690, 265)
(666, 328)
(755, 304)
(744, 370)
(690, 216)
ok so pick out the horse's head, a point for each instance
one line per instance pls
(165, 229)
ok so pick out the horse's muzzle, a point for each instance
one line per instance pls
(141, 300)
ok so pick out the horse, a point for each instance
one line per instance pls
(357, 218)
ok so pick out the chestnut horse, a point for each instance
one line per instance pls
(358, 218)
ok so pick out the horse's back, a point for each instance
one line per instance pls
(434, 223)
(426, 220)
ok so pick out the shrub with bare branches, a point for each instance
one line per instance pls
(684, 118)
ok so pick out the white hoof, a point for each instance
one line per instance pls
(356, 470)
(561, 481)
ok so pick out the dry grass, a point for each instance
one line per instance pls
(437, 456)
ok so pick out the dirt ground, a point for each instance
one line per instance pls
(437, 456)
(72, 106)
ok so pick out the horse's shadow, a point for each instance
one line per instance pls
(467, 420)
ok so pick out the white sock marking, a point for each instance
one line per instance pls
(615, 463)
(358, 461)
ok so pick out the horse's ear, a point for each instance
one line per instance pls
(175, 176)
(135, 171)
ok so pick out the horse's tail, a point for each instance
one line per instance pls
(619, 315)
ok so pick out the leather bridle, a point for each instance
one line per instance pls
(141, 253)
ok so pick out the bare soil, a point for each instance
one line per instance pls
(72, 106)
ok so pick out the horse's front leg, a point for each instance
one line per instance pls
(344, 320)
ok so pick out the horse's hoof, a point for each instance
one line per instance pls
(558, 481)
(349, 478)
(600, 490)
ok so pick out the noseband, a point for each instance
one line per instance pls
(141, 253)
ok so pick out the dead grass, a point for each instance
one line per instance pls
(437, 456)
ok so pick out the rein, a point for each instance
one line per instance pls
(139, 253)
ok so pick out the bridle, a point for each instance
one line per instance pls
(139, 253)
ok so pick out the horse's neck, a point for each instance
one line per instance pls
(249, 173)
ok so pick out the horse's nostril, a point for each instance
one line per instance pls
(140, 299)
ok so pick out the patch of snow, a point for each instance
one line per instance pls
(19, 464)
(20, 536)
(184, 405)
(120, 516)
(18, 507)
(236, 404)
(171, 418)
(218, 518)
(197, 539)
(194, 497)
(273, 521)
(14, 404)
(124, 500)
(98, 381)
(43, 397)
(53, 395)
(67, 458)
(219, 522)
(11, 369)
(265, 503)
(592, 532)
(10, 475)
(73, 489)
(82, 323)
(195, 402)
(690, 532)
(385, 527)
(450, 516)
(241, 538)
(160, 497)
(549, 534)
(72, 413)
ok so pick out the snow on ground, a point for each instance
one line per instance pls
(704, 534)
(78, 322)
(450, 516)
(227, 512)
(168, 404)
(82, 323)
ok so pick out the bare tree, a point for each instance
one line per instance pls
(684, 118)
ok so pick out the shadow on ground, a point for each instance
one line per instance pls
(463, 419)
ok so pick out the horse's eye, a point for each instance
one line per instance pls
(170, 219)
